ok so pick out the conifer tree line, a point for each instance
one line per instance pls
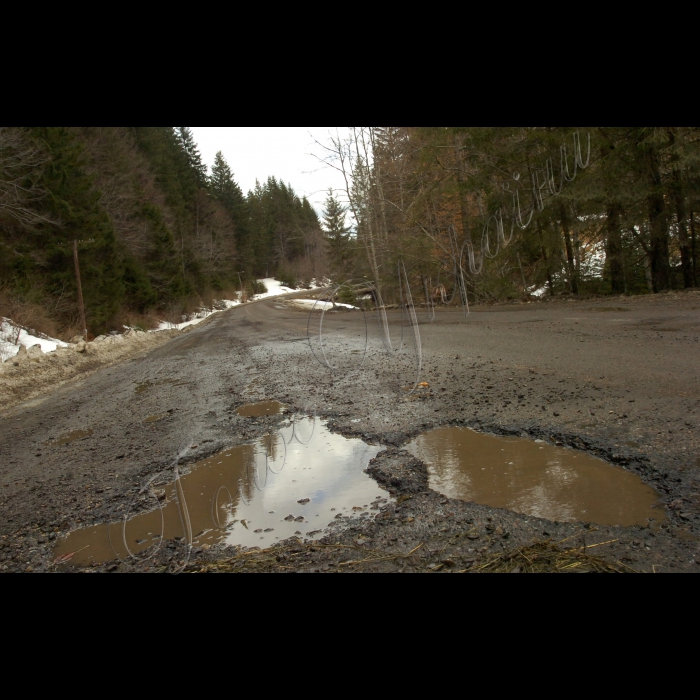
(159, 234)
(625, 224)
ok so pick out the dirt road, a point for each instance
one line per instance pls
(618, 378)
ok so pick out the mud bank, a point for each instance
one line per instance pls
(33, 373)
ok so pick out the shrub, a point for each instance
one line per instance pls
(254, 287)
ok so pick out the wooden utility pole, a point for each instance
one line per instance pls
(80, 289)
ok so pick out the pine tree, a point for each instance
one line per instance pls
(336, 231)
(225, 189)
(193, 155)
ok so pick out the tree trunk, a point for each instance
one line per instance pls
(546, 260)
(683, 240)
(570, 259)
(462, 187)
(614, 249)
(522, 276)
(659, 247)
(647, 272)
(693, 248)
(658, 220)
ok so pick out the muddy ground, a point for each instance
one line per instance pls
(619, 378)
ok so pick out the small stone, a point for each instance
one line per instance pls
(289, 519)
(257, 532)
(304, 501)
(499, 532)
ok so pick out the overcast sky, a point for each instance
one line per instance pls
(257, 152)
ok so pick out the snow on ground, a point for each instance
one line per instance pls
(10, 344)
(535, 292)
(274, 288)
(319, 305)
(200, 316)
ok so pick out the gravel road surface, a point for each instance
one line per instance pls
(618, 378)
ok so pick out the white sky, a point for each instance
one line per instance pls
(257, 152)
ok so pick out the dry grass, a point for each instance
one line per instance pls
(548, 557)
(544, 557)
(141, 322)
(26, 314)
(291, 557)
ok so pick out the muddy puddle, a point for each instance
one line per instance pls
(535, 479)
(76, 435)
(298, 481)
(259, 410)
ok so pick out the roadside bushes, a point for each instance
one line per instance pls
(254, 287)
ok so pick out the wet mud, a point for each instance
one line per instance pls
(258, 410)
(611, 385)
(74, 436)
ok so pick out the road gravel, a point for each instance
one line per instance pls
(618, 378)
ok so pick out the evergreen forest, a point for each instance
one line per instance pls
(496, 213)
(158, 234)
(473, 213)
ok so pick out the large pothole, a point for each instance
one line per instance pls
(535, 478)
(301, 480)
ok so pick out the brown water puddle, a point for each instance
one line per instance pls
(74, 436)
(295, 482)
(535, 479)
(259, 410)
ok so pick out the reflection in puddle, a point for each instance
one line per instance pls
(258, 410)
(74, 436)
(535, 479)
(297, 481)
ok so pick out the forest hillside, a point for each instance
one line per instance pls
(158, 234)
(470, 213)
(488, 213)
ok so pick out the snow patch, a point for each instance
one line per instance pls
(320, 305)
(12, 337)
(274, 289)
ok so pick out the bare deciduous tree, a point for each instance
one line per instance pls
(21, 163)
